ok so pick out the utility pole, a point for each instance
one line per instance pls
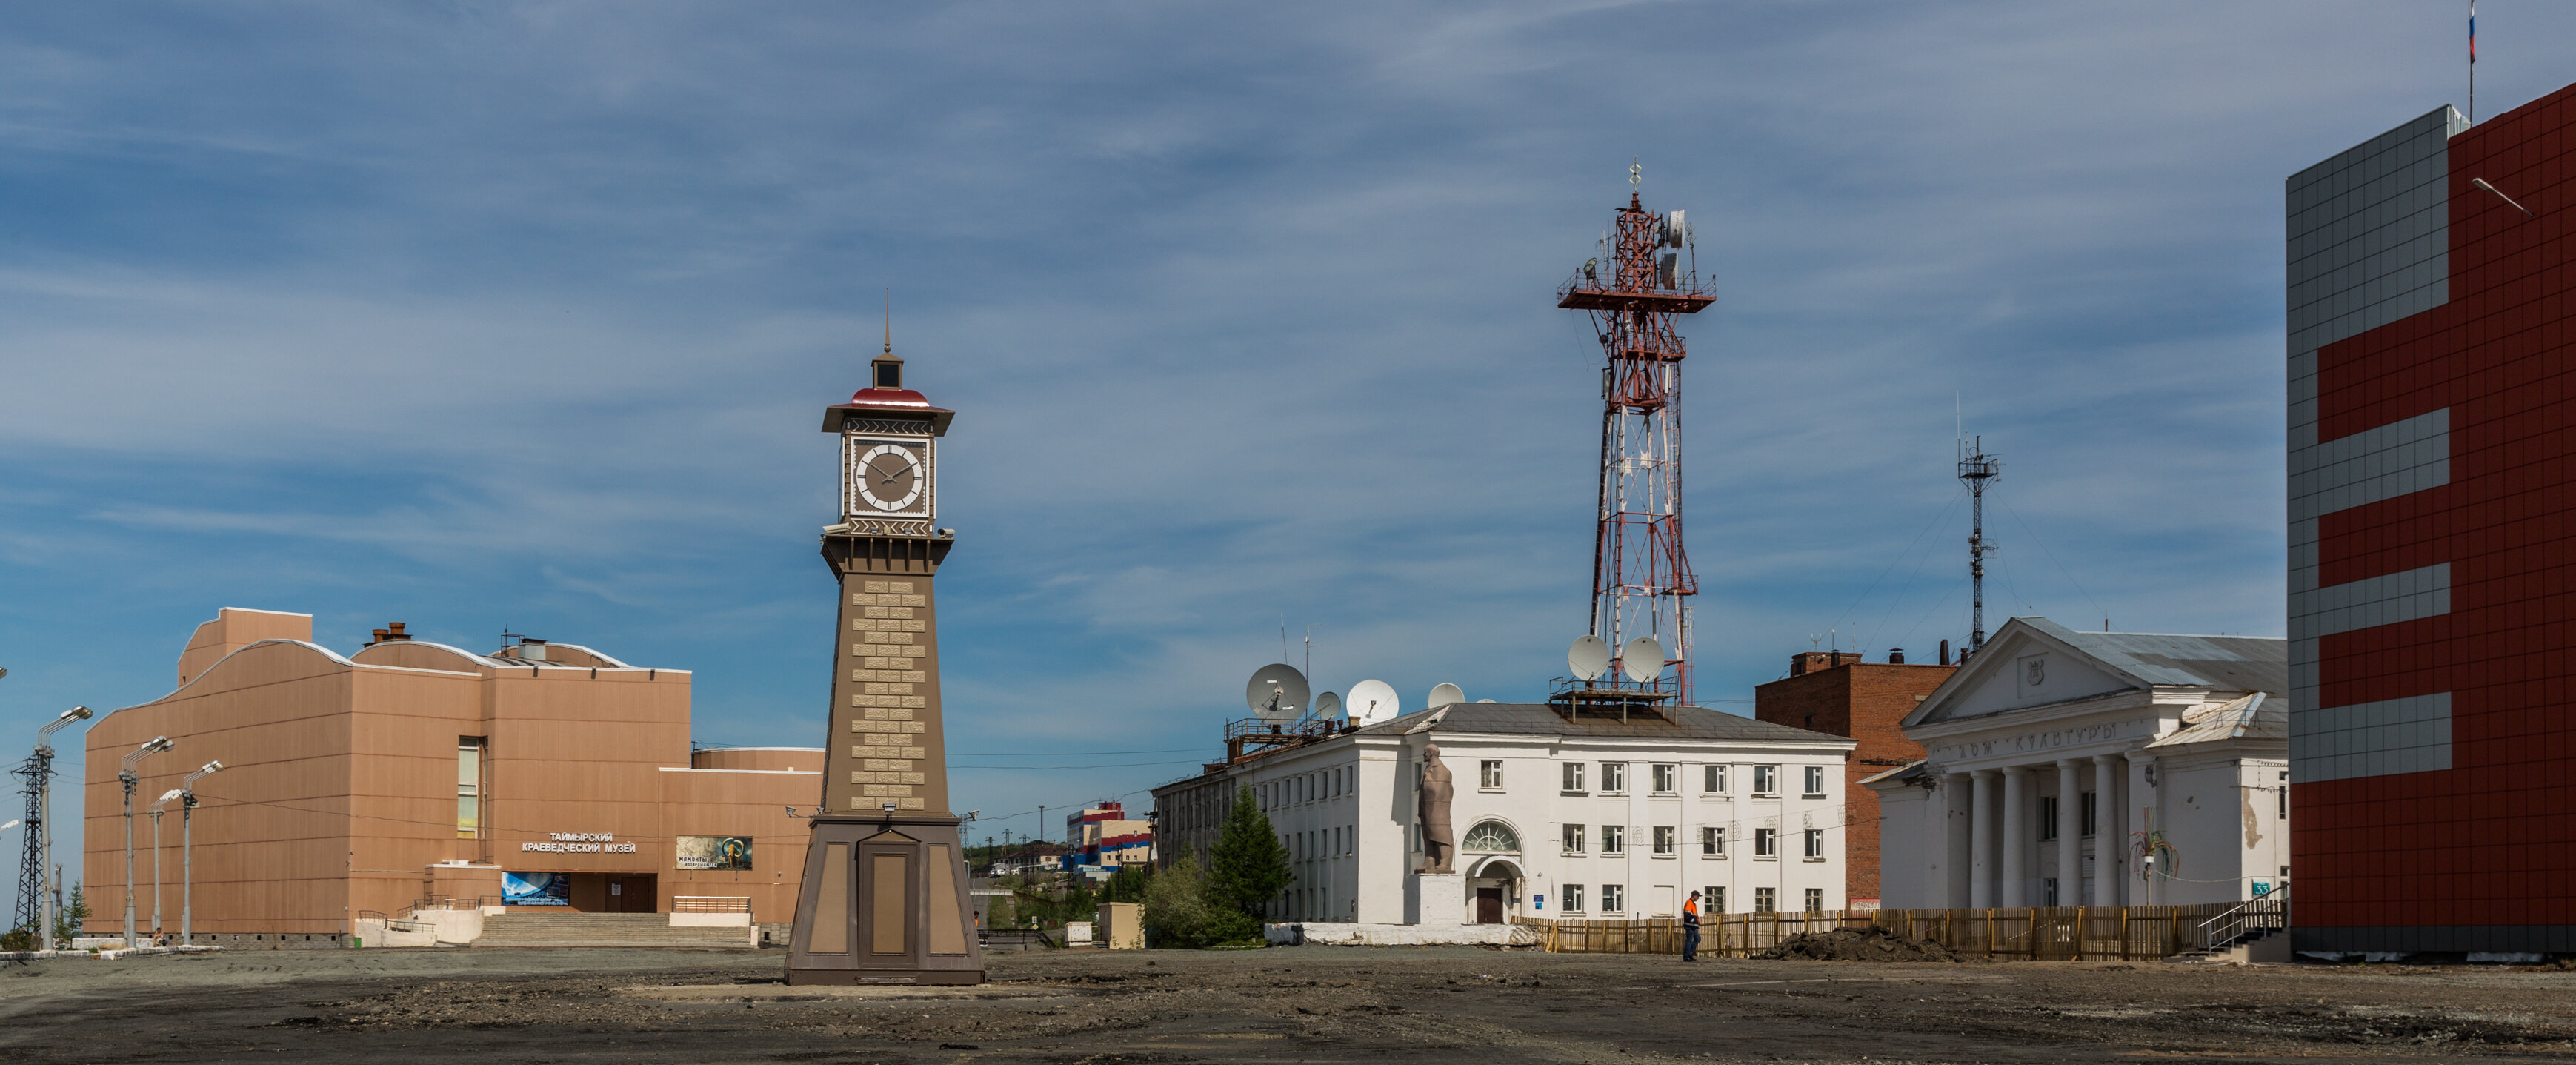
(39, 844)
(1976, 468)
(187, 865)
(125, 775)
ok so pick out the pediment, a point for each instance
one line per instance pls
(2021, 667)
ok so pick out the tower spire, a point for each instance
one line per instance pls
(889, 321)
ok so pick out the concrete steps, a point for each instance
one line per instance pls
(521, 929)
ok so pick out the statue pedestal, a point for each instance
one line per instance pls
(1435, 898)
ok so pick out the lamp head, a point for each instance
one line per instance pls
(77, 713)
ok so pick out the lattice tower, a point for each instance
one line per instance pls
(1641, 575)
(30, 911)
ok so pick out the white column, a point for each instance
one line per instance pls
(2109, 843)
(1981, 834)
(2014, 834)
(1958, 859)
(2070, 834)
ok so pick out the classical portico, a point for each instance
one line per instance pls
(2051, 773)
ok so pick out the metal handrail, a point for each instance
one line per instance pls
(2271, 908)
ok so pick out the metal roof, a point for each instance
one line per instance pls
(2226, 663)
(1539, 719)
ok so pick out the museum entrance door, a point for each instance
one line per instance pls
(1489, 905)
(633, 894)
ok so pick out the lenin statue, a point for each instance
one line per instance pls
(1439, 844)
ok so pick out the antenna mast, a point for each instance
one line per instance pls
(1641, 577)
(1976, 468)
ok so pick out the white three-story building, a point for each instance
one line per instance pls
(1555, 816)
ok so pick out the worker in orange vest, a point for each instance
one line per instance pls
(1690, 928)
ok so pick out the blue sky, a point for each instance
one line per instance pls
(480, 314)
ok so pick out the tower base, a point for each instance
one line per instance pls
(884, 902)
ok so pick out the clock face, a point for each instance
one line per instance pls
(889, 478)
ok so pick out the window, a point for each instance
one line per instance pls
(1492, 777)
(1574, 898)
(1766, 900)
(1766, 843)
(1614, 840)
(1766, 780)
(1492, 837)
(1815, 782)
(1613, 897)
(1573, 776)
(1712, 779)
(1668, 778)
(1815, 900)
(2091, 814)
(2285, 801)
(1712, 899)
(2047, 818)
(1712, 840)
(2050, 892)
(469, 787)
(1574, 839)
(1614, 779)
(1665, 843)
(1815, 843)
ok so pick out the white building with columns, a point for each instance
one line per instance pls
(2093, 768)
(1556, 815)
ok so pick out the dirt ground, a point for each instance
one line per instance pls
(1289, 1004)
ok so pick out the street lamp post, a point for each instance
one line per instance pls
(125, 775)
(187, 868)
(156, 861)
(41, 842)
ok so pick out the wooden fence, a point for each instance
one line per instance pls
(2063, 933)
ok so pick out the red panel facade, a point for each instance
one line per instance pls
(2474, 857)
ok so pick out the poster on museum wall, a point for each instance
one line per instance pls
(536, 889)
(715, 852)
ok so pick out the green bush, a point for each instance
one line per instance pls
(18, 939)
(1175, 909)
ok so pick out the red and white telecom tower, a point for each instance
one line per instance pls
(1641, 576)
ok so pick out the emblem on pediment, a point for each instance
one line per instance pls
(2035, 672)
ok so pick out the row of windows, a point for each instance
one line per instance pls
(1305, 787)
(1333, 842)
(1712, 840)
(1667, 778)
(1614, 898)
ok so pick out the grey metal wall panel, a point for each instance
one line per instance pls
(2371, 602)
(2410, 735)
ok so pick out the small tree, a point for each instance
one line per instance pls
(74, 912)
(1175, 910)
(1247, 868)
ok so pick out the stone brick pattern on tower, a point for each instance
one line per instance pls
(1838, 694)
(886, 728)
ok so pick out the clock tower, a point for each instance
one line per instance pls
(884, 899)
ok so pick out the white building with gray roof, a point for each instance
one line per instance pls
(1556, 814)
(2073, 768)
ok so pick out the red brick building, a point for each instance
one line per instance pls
(2432, 452)
(1835, 692)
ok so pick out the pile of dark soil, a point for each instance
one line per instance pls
(1860, 944)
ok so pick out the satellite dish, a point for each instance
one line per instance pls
(1443, 694)
(1328, 706)
(1277, 693)
(1484, 700)
(1588, 658)
(1676, 229)
(1642, 659)
(1372, 701)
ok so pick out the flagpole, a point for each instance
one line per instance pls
(2473, 62)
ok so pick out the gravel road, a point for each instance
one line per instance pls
(1301, 1004)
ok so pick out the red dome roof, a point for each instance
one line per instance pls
(891, 399)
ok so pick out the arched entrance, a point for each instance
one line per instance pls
(1494, 890)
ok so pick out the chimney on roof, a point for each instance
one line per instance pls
(380, 638)
(1945, 652)
(394, 631)
(1895, 656)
